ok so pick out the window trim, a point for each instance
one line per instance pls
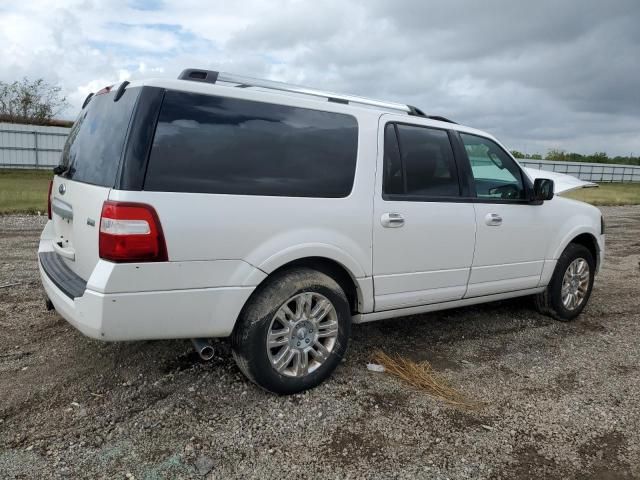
(460, 172)
(384, 150)
(132, 170)
(526, 182)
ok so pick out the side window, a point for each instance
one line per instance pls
(495, 174)
(418, 161)
(209, 144)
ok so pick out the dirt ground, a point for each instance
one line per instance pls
(560, 400)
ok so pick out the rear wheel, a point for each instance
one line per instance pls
(570, 288)
(293, 332)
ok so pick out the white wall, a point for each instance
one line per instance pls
(18, 145)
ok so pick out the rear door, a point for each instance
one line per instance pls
(423, 227)
(90, 162)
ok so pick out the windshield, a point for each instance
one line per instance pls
(96, 141)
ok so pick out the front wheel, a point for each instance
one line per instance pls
(293, 332)
(570, 288)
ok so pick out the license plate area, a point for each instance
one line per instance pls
(62, 213)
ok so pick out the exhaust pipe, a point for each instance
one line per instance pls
(203, 347)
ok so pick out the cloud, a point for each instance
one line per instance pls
(538, 75)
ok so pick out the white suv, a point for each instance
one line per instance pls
(223, 206)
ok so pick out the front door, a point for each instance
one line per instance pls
(512, 234)
(423, 233)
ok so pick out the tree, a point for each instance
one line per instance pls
(35, 102)
(597, 157)
(527, 156)
(557, 155)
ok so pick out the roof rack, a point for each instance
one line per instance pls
(210, 76)
(440, 119)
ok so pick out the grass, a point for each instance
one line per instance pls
(422, 376)
(608, 194)
(24, 191)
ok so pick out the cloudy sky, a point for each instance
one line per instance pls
(538, 74)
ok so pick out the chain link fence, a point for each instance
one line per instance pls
(590, 172)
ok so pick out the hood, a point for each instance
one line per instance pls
(561, 181)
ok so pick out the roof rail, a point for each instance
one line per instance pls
(415, 111)
(210, 76)
(440, 119)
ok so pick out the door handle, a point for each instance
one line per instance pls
(392, 220)
(62, 208)
(493, 219)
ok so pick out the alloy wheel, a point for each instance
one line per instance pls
(302, 334)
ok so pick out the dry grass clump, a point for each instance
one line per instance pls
(421, 375)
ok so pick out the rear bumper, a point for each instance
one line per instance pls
(139, 315)
(207, 312)
(61, 276)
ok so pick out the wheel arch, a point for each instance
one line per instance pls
(549, 302)
(329, 266)
(332, 268)
(589, 241)
(581, 236)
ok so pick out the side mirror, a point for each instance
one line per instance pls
(542, 189)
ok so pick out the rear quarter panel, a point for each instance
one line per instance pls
(268, 231)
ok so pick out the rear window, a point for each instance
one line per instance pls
(223, 145)
(96, 140)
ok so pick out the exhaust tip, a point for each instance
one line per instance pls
(206, 353)
(204, 348)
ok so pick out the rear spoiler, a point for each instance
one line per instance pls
(107, 89)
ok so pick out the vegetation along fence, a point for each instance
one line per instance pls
(34, 146)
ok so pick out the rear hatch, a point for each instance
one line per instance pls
(88, 170)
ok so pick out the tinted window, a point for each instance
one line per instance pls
(419, 162)
(393, 181)
(495, 173)
(223, 145)
(96, 140)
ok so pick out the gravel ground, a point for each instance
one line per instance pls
(560, 400)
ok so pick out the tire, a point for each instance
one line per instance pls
(288, 301)
(550, 301)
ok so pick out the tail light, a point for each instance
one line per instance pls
(131, 232)
(49, 199)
